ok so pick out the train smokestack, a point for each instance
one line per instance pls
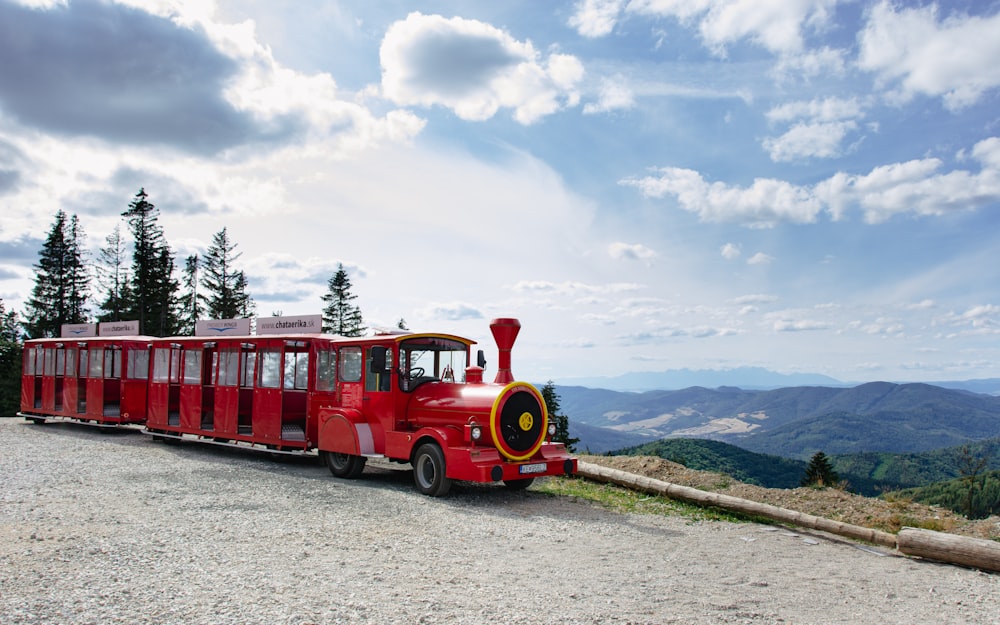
(504, 333)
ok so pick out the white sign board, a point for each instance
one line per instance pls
(118, 328)
(222, 327)
(72, 330)
(301, 324)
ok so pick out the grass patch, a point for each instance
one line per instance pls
(618, 499)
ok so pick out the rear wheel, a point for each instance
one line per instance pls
(429, 471)
(344, 465)
(518, 484)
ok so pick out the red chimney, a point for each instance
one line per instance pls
(504, 333)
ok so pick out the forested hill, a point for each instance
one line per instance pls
(790, 422)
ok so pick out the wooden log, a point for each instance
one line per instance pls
(734, 504)
(973, 552)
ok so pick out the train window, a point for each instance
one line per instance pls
(32, 356)
(97, 364)
(84, 361)
(138, 364)
(192, 366)
(350, 364)
(229, 367)
(269, 369)
(112, 362)
(431, 358)
(247, 362)
(296, 370)
(60, 361)
(326, 370)
(71, 369)
(50, 362)
(161, 364)
(378, 380)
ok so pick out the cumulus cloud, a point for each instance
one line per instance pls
(913, 52)
(775, 25)
(764, 203)
(630, 251)
(818, 129)
(166, 75)
(731, 251)
(760, 258)
(474, 69)
(102, 69)
(614, 94)
(916, 187)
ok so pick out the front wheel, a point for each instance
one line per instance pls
(518, 484)
(344, 465)
(428, 471)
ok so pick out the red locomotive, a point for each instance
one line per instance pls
(402, 397)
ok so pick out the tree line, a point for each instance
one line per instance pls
(134, 277)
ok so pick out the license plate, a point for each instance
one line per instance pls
(538, 467)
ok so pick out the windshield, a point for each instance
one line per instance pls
(423, 359)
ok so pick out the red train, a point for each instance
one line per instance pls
(402, 397)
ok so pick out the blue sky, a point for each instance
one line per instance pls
(802, 185)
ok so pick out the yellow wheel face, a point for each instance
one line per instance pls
(526, 421)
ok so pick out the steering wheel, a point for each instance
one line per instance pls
(416, 372)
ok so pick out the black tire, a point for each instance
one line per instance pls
(429, 471)
(518, 484)
(36, 420)
(344, 465)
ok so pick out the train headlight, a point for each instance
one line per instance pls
(473, 431)
(552, 429)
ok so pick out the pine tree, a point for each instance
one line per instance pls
(10, 362)
(820, 471)
(112, 277)
(61, 281)
(153, 286)
(190, 302)
(341, 316)
(560, 420)
(227, 296)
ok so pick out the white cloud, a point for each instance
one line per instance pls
(912, 52)
(910, 187)
(760, 258)
(630, 251)
(775, 25)
(474, 69)
(614, 95)
(731, 251)
(596, 18)
(827, 122)
(763, 204)
(820, 140)
(799, 325)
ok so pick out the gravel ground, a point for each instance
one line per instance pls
(114, 528)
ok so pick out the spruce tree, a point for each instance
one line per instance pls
(226, 287)
(820, 471)
(190, 303)
(561, 421)
(10, 363)
(61, 281)
(112, 277)
(341, 316)
(153, 286)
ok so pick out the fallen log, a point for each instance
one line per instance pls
(972, 552)
(734, 504)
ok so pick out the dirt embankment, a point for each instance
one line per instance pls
(829, 503)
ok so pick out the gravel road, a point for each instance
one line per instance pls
(114, 528)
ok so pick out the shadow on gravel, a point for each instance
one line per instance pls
(489, 499)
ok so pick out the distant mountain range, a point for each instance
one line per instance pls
(792, 422)
(750, 378)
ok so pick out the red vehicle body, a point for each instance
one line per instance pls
(407, 398)
(98, 380)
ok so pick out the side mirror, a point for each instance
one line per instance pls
(378, 364)
(481, 359)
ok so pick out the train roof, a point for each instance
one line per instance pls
(396, 337)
